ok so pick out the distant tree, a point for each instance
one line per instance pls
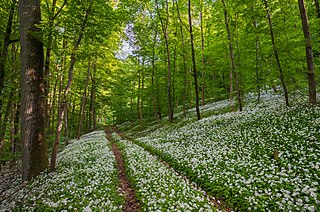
(233, 64)
(64, 101)
(276, 54)
(193, 61)
(164, 26)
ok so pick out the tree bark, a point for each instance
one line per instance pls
(310, 63)
(283, 83)
(64, 102)
(35, 153)
(196, 88)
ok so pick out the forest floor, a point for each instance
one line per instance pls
(265, 158)
(131, 202)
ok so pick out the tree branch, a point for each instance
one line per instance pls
(59, 11)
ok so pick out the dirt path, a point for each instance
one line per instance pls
(219, 203)
(131, 203)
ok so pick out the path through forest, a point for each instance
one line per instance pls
(131, 203)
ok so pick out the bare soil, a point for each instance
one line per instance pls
(131, 203)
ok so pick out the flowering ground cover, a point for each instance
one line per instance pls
(264, 159)
(85, 180)
(158, 187)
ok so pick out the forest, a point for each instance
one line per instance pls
(159, 105)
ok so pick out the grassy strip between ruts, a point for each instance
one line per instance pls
(157, 187)
(263, 160)
(85, 180)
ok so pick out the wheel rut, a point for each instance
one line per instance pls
(219, 203)
(131, 203)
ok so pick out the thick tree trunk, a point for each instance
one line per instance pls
(83, 102)
(283, 83)
(35, 152)
(64, 102)
(4, 51)
(196, 88)
(310, 63)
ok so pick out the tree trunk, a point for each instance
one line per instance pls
(152, 76)
(47, 62)
(4, 126)
(310, 63)
(194, 62)
(185, 71)
(316, 2)
(164, 27)
(15, 132)
(202, 55)
(277, 55)
(83, 102)
(174, 72)
(64, 103)
(93, 98)
(139, 94)
(233, 64)
(158, 98)
(4, 51)
(35, 152)
(257, 70)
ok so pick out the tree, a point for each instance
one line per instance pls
(309, 54)
(193, 61)
(4, 52)
(35, 155)
(64, 103)
(276, 54)
(164, 27)
(233, 64)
